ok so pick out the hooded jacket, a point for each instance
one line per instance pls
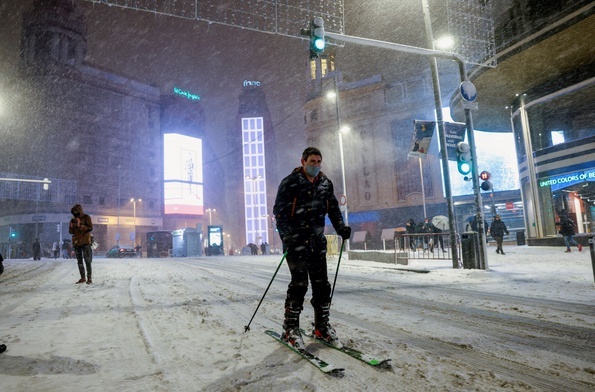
(498, 228)
(566, 225)
(301, 205)
(81, 234)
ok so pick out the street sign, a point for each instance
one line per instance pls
(470, 105)
(454, 133)
(468, 91)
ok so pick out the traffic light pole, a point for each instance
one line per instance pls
(441, 135)
(468, 121)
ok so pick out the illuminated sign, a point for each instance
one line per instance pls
(182, 173)
(566, 180)
(215, 237)
(186, 94)
(254, 83)
(485, 175)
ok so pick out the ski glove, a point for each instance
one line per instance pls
(344, 232)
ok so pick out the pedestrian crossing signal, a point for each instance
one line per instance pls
(486, 186)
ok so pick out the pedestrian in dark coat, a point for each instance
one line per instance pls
(426, 227)
(410, 228)
(497, 229)
(566, 225)
(80, 227)
(36, 250)
(303, 200)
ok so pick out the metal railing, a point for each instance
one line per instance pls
(424, 246)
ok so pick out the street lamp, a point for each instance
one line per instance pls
(342, 129)
(210, 211)
(134, 201)
(442, 137)
(444, 43)
(341, 132)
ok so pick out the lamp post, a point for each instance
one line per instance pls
(134, 201)
(335, 94)
(443, 43)
(210, 211)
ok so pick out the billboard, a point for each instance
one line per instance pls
(182, 175)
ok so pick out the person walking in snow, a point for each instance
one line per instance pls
(80, 227)
(567, 230)
(55, 250)
(426, 227)
(497, 230)
(410, 228)
(36, 250)
(303, 199)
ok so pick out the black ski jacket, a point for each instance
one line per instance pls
(301, 206)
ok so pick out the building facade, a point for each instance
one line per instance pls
(97, 136)
(543, 90)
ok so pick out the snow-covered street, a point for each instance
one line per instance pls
(527, 323)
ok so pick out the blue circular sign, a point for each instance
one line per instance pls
(468, 91)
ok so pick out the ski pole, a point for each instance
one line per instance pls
(337, 272)
(247, 327)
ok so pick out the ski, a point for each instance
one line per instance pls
(320, 364)
(366, 358)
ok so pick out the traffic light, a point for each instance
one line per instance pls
(463, 158)
(316, 34)
(485, 185)
(13, 233)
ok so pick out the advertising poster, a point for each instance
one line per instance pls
(422, 136)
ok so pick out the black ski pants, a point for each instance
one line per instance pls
(303, 264)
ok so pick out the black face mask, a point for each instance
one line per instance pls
(77, 214)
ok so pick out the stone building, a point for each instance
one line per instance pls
(97, 136)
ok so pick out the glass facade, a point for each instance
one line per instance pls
(559, 173)
(255, 201)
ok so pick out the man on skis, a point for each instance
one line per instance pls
(303, 199)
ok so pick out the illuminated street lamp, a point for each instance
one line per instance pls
(134, 201)
(444, 43)
(341, 132)
(342, 129)
(210, 211)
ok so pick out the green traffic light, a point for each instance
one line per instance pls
(464, 167)
(319, 44)
(463, 158)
